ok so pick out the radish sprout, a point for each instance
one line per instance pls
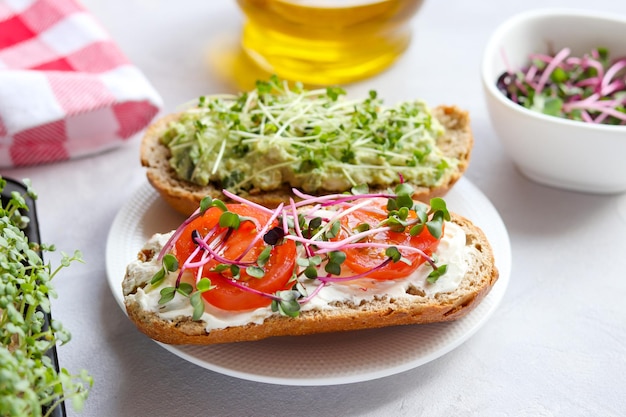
(591, 88)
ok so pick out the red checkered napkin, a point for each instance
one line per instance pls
(66, 90)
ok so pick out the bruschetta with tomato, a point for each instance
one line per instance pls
(239, 271)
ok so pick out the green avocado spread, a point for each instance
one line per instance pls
(277, 135)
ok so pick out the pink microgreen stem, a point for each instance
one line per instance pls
(610, 73)
(333, 199)
(174, 237)
(260, 233)
(356, 276)
(558, 58)
(329, 246)
(379, 246)
(314, 293)
(586, 117)
(296, 226)
(339, 215)
(214, 255)
(206, 256)
(235, 283)
(241, 200)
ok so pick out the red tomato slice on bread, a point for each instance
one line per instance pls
(278, 269)
(360, 260)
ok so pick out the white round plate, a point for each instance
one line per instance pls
(325, 359)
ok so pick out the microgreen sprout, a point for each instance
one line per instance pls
(437, 273)
(30, 384)
(317, 225)
(170, 264)
(187, 290)
(287, 303)
(591, 88)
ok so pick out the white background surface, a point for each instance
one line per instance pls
(555, 347)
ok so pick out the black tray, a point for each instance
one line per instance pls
(32, 233)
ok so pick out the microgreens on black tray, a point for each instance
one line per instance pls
(30, 384)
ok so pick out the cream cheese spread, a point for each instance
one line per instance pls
(452, 251)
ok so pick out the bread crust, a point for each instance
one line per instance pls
(185, 197)
(415, 309)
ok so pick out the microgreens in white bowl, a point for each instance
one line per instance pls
(555, 84)
(590, 88)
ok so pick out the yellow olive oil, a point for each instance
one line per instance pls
(326, 41)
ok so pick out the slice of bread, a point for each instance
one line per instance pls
(414, 308)
(184, 196)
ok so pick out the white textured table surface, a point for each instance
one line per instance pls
(555, 347)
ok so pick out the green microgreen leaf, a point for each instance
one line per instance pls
(331, 233)
(421, 212)
(315, 260)
(360, 189)
(310, 272)
(255, 271)
(559, 75)
(234, 269)
(208, 202)
(439, 204)
(393, 253)
(435, 225)
(158, 277)
(335, 92)
(220, 268)
(185, 289)
(335, 259)
(403, 189)
(205, 204)
(204, 285)
(417, 229)
(396, 223)
(170, 263)
(264, 256)
(404, 201)
(310, 265)
(553, 106)
(315, 223)
(287, 304)
(303, 262)
(437, 273)
(197, 303)
(230, 219)
(167, 295)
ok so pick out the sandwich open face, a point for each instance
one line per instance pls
(239, 271)
(263, 143)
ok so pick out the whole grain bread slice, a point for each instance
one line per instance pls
(185, 196)
(415, 308)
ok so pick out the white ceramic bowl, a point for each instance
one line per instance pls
(563, 153)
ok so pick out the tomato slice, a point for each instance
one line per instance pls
(361, 260)
(278, 269)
